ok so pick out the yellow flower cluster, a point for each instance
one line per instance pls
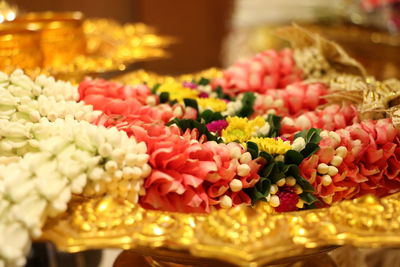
(214, 104)
(241, 129)
(271, 146)
(177, 91)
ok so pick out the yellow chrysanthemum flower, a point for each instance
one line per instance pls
(257, 122)
(238, 130)
(242, 129)
(271, 145)
(214, 104)
(177, 91)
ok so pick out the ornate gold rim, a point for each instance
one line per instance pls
(241, 235)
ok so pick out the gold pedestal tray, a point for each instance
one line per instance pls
(241, 236)
(70, 47)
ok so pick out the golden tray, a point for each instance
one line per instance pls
(72, 47)
(241, 236)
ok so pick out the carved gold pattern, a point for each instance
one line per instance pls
(241, 235)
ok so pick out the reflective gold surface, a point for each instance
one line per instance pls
(61, 35)
(19, 47)
(240, 235)
(72, 47)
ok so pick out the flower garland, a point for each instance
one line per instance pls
(258, 133)
(77, 158)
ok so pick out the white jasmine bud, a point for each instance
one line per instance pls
(243, 170)
(274, 201)
(236, 185)
(225, 202)
(332, 170)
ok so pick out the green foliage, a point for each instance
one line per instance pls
(189, 102)
(247, 105)
(293, 157)
(252, 148)
(221, 94)
(164, 97)
(275, 124)
(312, 138)
(203, 81)
(155, 88)
(193, 124)
(208, 116)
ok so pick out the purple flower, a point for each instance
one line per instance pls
(189, 85)
(217, 126)
(203, 95)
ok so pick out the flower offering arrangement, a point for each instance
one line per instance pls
(251, 149)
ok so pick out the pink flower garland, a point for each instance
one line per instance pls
(115, 99)
(332, 117)
(370, 152)
(266, 70)
(293, 100)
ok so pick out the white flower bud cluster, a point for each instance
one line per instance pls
(22, 99)
(327, 171)
(61, 90)
(81, 158)
(269, 102)
(243, 169)
(233, 107)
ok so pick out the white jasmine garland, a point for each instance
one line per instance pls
(22, 99)
(73, 157)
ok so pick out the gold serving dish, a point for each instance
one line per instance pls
(71, 47)
(240, 236)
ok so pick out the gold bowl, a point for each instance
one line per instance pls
(61, 35)
(72, 47)
(19, 47)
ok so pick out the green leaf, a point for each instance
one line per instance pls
(310, 149)
(314, 136)
(266, 156)
(260, 191)
(275, 124)
(208, 116)
(220, 93)
(203, 81)
(247, 105)
(164, 97)
(310, 136)
(308, 198)
(304, 184)
(193, 124)
(155, 88)
(252, 148)
(266, 171)
(293, 157)
(276, 174)
(291, 170)
(191, 103)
